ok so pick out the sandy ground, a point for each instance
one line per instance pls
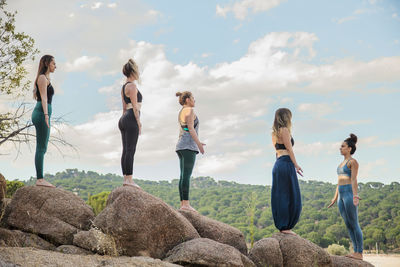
(391, 260)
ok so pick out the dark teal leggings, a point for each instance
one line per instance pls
(42, 136)
(186, 159)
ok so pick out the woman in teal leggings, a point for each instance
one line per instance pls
(43, 93)
(188, 145)
(347, 195)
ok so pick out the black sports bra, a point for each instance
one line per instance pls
(50, 93)
(282, 146)
(127, 99)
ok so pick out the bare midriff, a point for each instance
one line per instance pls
(343, 180)
(129, 106)
(282, 152)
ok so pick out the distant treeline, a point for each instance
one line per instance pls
(240, 204)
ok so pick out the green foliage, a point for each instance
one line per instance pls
(98, 202)
(336, 249)
(15, 49)
(13, 186)
(248, 207)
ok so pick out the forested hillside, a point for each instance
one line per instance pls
(247, 207)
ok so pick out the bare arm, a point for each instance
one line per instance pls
(133, 96)
(285, 136)
(189, 118)
(123, 102)
(42, 84)
(335, 197)
(354, 184)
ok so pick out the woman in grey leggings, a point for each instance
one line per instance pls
(347, 197)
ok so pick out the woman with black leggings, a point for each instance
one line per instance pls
(188, 145)
(129, 124)
(43, 93)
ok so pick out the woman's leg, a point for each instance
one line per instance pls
(181, 164)
(132, 135)
(42, 140)
(285, 196)
(343, 205)
(353, 224)
(189, 158)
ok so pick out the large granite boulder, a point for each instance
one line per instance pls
(266, 252)
(297, 251)
(28, 257)
(143, 225)
(341, 261)
(207, 252)
(51, 213)
(16, 238)
(217, 231)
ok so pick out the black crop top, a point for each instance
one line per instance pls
(50, 93)
(127, 99)
(282, 146)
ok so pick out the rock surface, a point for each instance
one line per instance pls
(16, 238)
(69, 249)
(3, 187)
(28, 257)
(217, 231)
(52, 213)
(297, 251)
(341, 261)
(207, 252)
(143, 225)
(266, 252)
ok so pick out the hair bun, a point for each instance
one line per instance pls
(353, 138)
(178, 94)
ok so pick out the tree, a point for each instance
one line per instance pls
(16, 49)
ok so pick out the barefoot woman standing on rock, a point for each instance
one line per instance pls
(188, 145)
(43, 93)
(285, 193)
(129, 124)
(346, 191)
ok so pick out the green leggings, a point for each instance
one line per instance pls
(42, 136)
(186, 160)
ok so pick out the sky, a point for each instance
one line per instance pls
(334, 64)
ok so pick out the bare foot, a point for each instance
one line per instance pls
(126, 183)
(356, 256)
(43, 182)
(188, 208)
(290, 232)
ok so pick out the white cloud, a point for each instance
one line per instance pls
(317, 148)
(112, 5)
(96, 5)
(225, 162)
(82, 63)
(368, 169)
(319, 109)
(342, 20)
(276, 62)
(241, 8)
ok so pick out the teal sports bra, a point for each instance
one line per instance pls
(344, 170)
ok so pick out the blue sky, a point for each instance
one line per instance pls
(335, 64)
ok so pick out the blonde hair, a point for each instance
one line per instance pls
(131, 68)
(183, 96)
(283, 117)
